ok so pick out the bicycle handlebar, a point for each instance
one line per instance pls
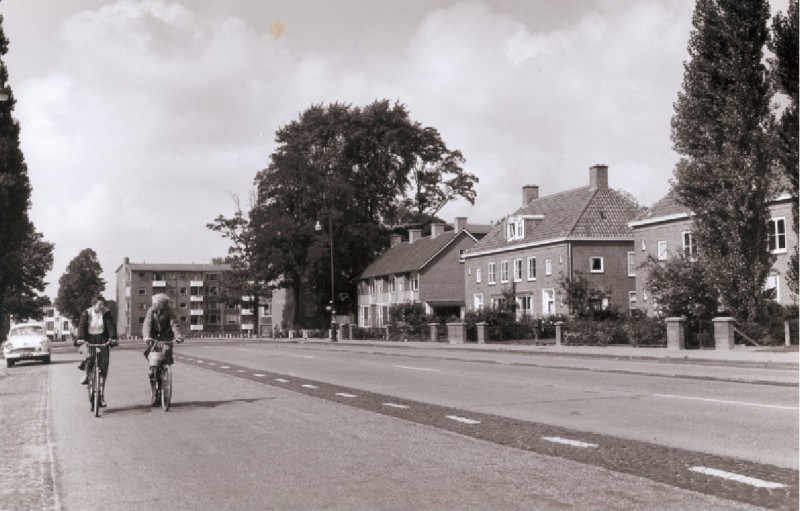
(179, 340)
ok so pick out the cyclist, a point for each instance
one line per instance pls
(96, 326)
(160, 324)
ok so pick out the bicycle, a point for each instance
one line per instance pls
(160, 374)
(94, 382)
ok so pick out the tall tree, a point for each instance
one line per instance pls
(784, 67)
(15, 188)
(719, 130)
(680, 287)
(348, 169)
(79, 284)
(23, 286)
(244, 278)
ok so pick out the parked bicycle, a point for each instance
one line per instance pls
(160, 373)
(96, 385)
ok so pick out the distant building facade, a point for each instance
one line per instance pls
(56, 326)
(195, 295)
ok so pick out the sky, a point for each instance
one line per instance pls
(142, 121)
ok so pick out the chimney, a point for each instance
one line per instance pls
(460, 223)
(126, 260)
(437, 229)
(414, 235)
(529, 192)
(598, 176)
(394, 240)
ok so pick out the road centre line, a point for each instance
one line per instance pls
(395, 405)
(418, 368)
(241, 371)
(567, 441)
(225, 367)
(281, 380)
(306, 385)
(463, 419)
(344, 394)
(752, 481)
(724, 401)
(259, 374)
(301, 356)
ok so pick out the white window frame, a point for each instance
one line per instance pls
(548, 267)
(662, 251)
(477, 301)
(632, 300)
(532, 274)
(592, 259)
(689, 249)
(492, 271)
(778, 237)
(515, 228)
(644, 246)
(548, 300)
(631, 264)
(415, 282)
(503, 272)
(777, 280)
(478, 275)
(517, 270)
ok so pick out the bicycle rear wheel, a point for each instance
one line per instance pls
(166, 387)
(96, 386)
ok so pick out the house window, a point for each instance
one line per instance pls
(379, 286)
(515, 229)
(548, 267)
(531, 268)
(212, 319)
(142, 291)
(477, 301)
(524, 306)
(390, 284)
(478, 275)
(777, 235)
(548, 302)
(644, 246)
(212, 276)
(399, 283)
(503, 271)
(632, 300)
(596, 264)
(631, 264)
(158, 276)
(689, 248)
(772, 288)
(662, 250)
(644, 295)
(415, 283)
(517, 270)
(492, 273)
(183, 290)
(183, 305)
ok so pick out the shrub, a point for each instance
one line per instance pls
(646, 331)
(582, 332)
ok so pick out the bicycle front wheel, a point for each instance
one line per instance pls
(96, 389)
(166, 387)
(153, 387)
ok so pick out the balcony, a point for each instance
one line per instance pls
(196, 298)
(196, 312)
(196, 283)
(389, 298)
(195, 328)
(247, 312)
(159, 283)
(247, 326)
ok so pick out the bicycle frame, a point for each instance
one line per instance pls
(160, 375)
(95, 383)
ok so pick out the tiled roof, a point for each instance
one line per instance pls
(584, 212)
(407, 257)
(666, 206)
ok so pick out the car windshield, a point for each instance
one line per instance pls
(27, 330)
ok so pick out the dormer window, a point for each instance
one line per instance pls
(515, 228)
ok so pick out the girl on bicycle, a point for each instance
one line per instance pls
(96, 326)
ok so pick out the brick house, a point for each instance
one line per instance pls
(584, 229)
(426, 269)
(665, 231)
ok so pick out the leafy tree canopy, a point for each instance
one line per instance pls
(79, 285)
(681, 287)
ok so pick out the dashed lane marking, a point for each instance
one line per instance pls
(395, 405)
(211, 363)
(301, 356)
(259, 375)
(241, 371)
(306, 385)
(567, 441)
(724, 401)
(281, 380)
(200, 362)
(344, 394)
(752, 481)
(419, 368)
(225, 367)
(463, 419)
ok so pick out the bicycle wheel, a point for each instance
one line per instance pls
(96, 385)
(166, 387)
(153, 387)
(90, 390)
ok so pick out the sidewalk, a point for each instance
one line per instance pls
(741, 356)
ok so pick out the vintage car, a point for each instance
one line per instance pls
(26, 341)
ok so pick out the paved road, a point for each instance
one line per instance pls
(237, 440)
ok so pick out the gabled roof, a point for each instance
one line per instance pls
(584, 212)
(665, 209)
(408, 257)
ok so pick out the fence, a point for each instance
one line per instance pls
(770, 333)
(699, 334)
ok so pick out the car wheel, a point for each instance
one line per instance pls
(9, 363)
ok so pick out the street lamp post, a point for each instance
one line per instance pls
(318, 227)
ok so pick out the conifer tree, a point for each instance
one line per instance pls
(720, 131)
